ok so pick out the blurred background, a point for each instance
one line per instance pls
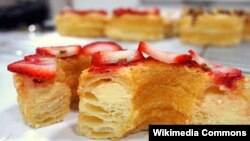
(26, 24)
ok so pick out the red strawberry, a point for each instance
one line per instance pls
(60, 51)
(166, 57)
(38, 59)
(36, 67)
(100, 46)
(115, 57)
(223, 76)
(122, 11)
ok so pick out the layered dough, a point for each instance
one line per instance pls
(216, 29)
(131, 27)
(127, 100)
(42, 103)
(71, 68)
(46, 102)
(87, 25)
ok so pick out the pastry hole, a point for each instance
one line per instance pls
(95, 108)
(90, 96)
(90, 119)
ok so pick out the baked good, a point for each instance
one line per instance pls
(47, 81)
(81, 23)
(246, 22)
(123, 92)
(171, 19)
(246, 31)
(215, 28)
(134, 25)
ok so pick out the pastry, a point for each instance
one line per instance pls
(246, 21)
(215, 28)
(134, 25)
(123, 92)
(47, 82)
(171, 19)
(43, 96)
(81, 23)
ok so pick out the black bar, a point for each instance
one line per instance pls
(157, 132)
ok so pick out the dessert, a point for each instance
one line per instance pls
(81, 23)
(246, 22)
(216, 28)
(123, 92)
(134, 25)
(47, 81)
(171, 19)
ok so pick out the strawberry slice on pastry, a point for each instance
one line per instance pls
(100, 46)
(223, 76)
(166, 57)
(41, 68)
(116, 57)
(59, 51)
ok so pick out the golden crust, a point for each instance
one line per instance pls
(135, 27)
(211, 29)
(45, 102)
(246, 30)
(89, 25)
(72, 68)
(152, 92)
(42, 103)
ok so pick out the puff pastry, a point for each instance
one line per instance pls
(81, 23)
(119, 99)
(47, 81)
(135, 25)
(215, 28)
(246, 22)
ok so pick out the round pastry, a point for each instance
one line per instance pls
(81, 23)
(135, 25)
(124, 92)
(216, 28)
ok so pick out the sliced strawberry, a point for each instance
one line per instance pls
(38, 59)
(223, 76)
(122, 11)
(83, 12)
(60, 51)
(166, 57)
(40, 71)
(116, 57)
(100, 46)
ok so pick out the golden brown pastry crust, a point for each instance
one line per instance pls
(152, 92)
(42, 102)
(210, 28)
(131, 27)
(87, 25)
(72, 68)
(45, 102)
(246, 29)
